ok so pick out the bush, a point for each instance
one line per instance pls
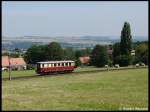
(78, 62)
(31, 67)
(110, 63)
(124, 60)
(99, 56)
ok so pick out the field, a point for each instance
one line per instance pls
(110, 90)
(28, 73)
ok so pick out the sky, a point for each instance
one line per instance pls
(73, 18)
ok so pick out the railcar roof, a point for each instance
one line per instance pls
(55, 61)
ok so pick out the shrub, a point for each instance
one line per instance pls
(110, 63)
(78, 62)
(31, 67)
(99, 56)
(124, 60)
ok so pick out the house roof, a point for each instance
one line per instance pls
(5, 61)
(84, 59)
(17, 61)
(13, 61)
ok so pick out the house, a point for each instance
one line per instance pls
(84, 59)
(15, 63)
(18, 63)
(5, 62)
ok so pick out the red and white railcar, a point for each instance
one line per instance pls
(55, 66)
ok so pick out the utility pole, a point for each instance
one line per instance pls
(9, 66)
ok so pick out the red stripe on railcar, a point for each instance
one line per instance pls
(53, 69)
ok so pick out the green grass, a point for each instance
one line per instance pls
(112, 90)
(23, 73)
(26, 73)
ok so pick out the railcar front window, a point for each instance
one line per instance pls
(38, 66)
(72, 64)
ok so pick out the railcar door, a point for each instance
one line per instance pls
(38, 68)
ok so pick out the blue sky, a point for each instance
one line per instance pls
(74, 18)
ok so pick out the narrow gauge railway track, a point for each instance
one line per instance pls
(73, 73)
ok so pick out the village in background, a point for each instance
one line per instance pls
(15, 48)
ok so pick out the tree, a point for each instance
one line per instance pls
(124, 60)
(87, 51)
(14, 55)
(17, 50)
(78, 62)
(126, 40)
(78, 53)
(55, 51)
(5, 54)
(116, 53)
(83, 52)
(68, 54)
(141, 53)
(99, 56)
(36, 53)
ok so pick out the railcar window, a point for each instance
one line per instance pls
(54, 64)
(62, 64)
(45, 65)
(42, 65)
(69, 63)
(49, 65)
(58, 64)
(66, 64)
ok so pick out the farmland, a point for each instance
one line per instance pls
(111, 90)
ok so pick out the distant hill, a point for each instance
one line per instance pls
(75, 42)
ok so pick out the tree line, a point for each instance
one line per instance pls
(98, 55)
(53, 52)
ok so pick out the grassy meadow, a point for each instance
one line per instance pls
(110, 90)
(26, 73)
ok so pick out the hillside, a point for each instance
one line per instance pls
(74, 42)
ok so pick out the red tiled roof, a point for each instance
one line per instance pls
(84, 59)
(17, 61)
(13, 61)
(5, 61)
